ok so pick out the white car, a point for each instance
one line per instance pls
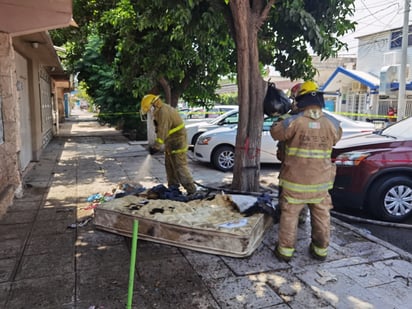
(217, 146)
(194, 130)
(201, 114)
(350, 127)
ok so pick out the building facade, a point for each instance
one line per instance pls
(32, 86)
(371, 88)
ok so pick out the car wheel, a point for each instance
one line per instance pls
(223, 158)
(195, 138)
(391, 198)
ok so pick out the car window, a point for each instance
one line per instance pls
(213, 113)
(218, 111)
(401, 129)
(232, 119)
(267, 123)
(197, 113)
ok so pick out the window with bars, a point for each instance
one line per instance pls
(396, 38)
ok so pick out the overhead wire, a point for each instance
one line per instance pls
(377, 17)
(373, 14)
(378, 11)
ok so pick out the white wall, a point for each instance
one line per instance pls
(374, 52)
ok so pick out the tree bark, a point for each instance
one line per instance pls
(166, 89)
(174, 100)
(172, 95)
(251, 89)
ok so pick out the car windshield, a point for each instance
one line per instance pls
(401, 129)
(228, 117)
(267, 123)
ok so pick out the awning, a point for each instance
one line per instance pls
(44, 52)
(345, 76)
(395, 86)
(19, 17)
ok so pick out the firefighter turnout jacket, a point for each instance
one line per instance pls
(307, 170)
(171, 132)
(170, 129)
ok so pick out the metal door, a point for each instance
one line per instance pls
(22, 84)
(46, 108)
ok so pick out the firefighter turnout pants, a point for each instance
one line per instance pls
(178, 172)
(288, 225)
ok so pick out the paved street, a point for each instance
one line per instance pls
(50, 257)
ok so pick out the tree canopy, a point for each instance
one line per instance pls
(180, 49)
(176, 48)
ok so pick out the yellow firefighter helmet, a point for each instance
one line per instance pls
(147, 102)
(304, 88)
(306, 94)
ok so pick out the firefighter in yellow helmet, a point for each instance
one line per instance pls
(307, 171)
(170, 132)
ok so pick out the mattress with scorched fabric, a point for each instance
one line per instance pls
(213, 226)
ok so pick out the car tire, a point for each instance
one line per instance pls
(223, 158)
(391, 198)
(196, 137)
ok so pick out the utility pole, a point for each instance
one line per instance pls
(404, 58)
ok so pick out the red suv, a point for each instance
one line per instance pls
(374, 172)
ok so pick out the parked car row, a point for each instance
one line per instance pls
(374, 167)
(215, 142)
(194, 130)
(218, 146)
(201, 114)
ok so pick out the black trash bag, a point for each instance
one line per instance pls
(276, 102)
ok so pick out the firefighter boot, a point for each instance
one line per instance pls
(318, 253)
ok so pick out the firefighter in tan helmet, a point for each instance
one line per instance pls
(170, 132)
(307, 171)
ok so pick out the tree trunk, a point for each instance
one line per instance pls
(166, 89)
(251, 89)
(175, 98)
(172, 95)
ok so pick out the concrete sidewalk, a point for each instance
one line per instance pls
(49, 260)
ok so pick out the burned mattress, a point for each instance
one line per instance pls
(213, 226)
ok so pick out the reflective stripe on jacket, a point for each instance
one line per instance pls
(307, 171)
(170, 129)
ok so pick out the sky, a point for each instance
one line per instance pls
(374, 16)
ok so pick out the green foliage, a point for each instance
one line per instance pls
(297, 29)
(83, 92)
(175, 46)
(228, 99)
(116, 105)
(124, 49)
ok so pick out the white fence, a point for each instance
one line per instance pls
(357, 107)
(384, 104)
